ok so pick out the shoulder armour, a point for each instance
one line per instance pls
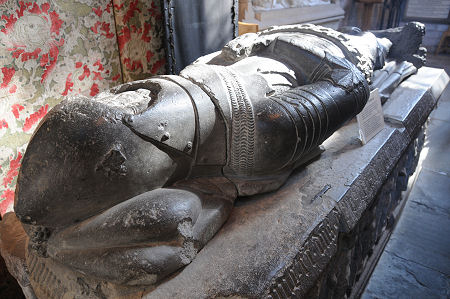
(169, 118)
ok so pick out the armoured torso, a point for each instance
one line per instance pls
(245, 120)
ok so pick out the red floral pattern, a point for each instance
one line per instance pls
(14, 165)
(140, 35)
(45, 47)
(48, 49)
(8, 73)
(3, 124)
(35, 118)
(15, 109)
(7, 198)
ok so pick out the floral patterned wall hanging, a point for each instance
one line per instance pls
(140, 36)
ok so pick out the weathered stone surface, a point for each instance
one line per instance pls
(429, 206)
(9, 287)
(407, 280)
(270, 234)
(420, 237)
(158, 163)
(440, 140)
(13, 242)
(53, 280)
(360, 248)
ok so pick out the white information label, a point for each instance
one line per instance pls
(371, 119)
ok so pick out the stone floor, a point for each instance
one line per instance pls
(416, 260)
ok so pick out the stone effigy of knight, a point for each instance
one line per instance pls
(128, 186)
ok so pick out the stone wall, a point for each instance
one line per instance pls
(328, 14)
(434, 10)
(354, 13)
(433, 35)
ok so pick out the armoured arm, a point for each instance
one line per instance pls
(323, 106)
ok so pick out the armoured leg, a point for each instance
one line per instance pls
(406, 43)
(320, 108)
(388, 78)
(145, 238)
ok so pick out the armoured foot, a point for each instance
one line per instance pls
(406, 43)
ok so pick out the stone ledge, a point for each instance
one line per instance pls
(415, 98)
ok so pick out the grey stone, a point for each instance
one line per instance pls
(405, 46)
(443, 113)
(438, 142)
(445, 98)
(405, 280)
(428, 205)
(12, 248)
(347, 186)
(411, 104)
(420, 237)
(438, 61)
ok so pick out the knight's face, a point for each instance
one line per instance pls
(83, 160)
